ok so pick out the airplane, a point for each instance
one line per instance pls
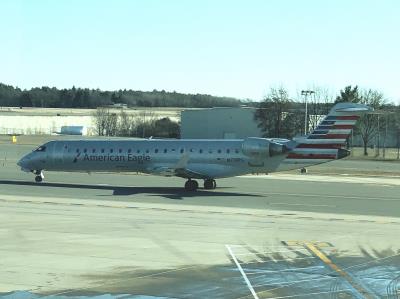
(200, 159)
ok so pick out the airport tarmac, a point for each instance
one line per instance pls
(268, 236)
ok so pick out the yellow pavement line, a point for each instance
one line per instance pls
(328, 262)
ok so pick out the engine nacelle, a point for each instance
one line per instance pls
(262, 147)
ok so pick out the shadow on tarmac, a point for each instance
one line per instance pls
(273, 271)
(169, 192)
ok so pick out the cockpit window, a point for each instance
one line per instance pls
(40, 149)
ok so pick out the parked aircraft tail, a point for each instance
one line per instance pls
(328, 140)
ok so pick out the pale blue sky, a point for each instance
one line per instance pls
(226, 48)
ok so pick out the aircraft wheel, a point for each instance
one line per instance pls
(210, 184)
(191, 185)
(303, 170)
(39, 176)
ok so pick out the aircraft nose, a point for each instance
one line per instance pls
(23, 163)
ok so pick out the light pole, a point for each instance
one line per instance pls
(305, 93)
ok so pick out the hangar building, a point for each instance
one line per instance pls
(219, 123)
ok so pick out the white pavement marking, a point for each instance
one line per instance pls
(367, 180)
(327, 196)
(262, 246)
(280, 260)
(242, 272)
(306, 294)
(272, 252)
(300, 204)
(285, 270)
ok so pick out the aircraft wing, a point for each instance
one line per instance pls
(187, 173)
(180, 169)
(180, 172)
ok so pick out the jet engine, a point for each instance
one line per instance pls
(262, 147)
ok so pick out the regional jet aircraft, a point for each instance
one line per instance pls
(200, 159)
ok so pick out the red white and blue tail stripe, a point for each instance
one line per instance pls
(327, 142)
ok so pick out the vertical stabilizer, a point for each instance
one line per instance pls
(328, 140)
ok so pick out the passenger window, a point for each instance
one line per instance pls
(200, 151)
(138, 151)
(219, 151)
(111, 150)
(77, 150)
(172, 150)
(182, 150)
(129, 151)
(102, 150)
(156, 150)
(120, 150)
(93, 150)
(237, 151)
(147, 151)
(85, 150)
(165, 151)
(228, 151)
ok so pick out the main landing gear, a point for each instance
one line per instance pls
(303, 170)
(39, 176)
(192, 185)
(210, 184)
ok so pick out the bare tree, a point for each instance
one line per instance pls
(145, 123)
(112, 124)
(100, 120)
(105, 121)
(126, 124)
(369, 124)
(273, 115)
(319, 105)
(395, 124)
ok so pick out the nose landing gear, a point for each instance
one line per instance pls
(39, 176)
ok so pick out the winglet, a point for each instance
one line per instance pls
(351, 108)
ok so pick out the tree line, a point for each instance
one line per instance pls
(52, 97)
(109, 123)
(281, 117)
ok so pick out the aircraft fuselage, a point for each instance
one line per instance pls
(210, 158)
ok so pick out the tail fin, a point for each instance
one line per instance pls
(328, 140)
(339, 122)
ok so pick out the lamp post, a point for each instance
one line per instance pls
(305, 93)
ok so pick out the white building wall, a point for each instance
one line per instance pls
(33, 124)
(219, 123)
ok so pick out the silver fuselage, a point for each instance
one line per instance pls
(210, 158)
